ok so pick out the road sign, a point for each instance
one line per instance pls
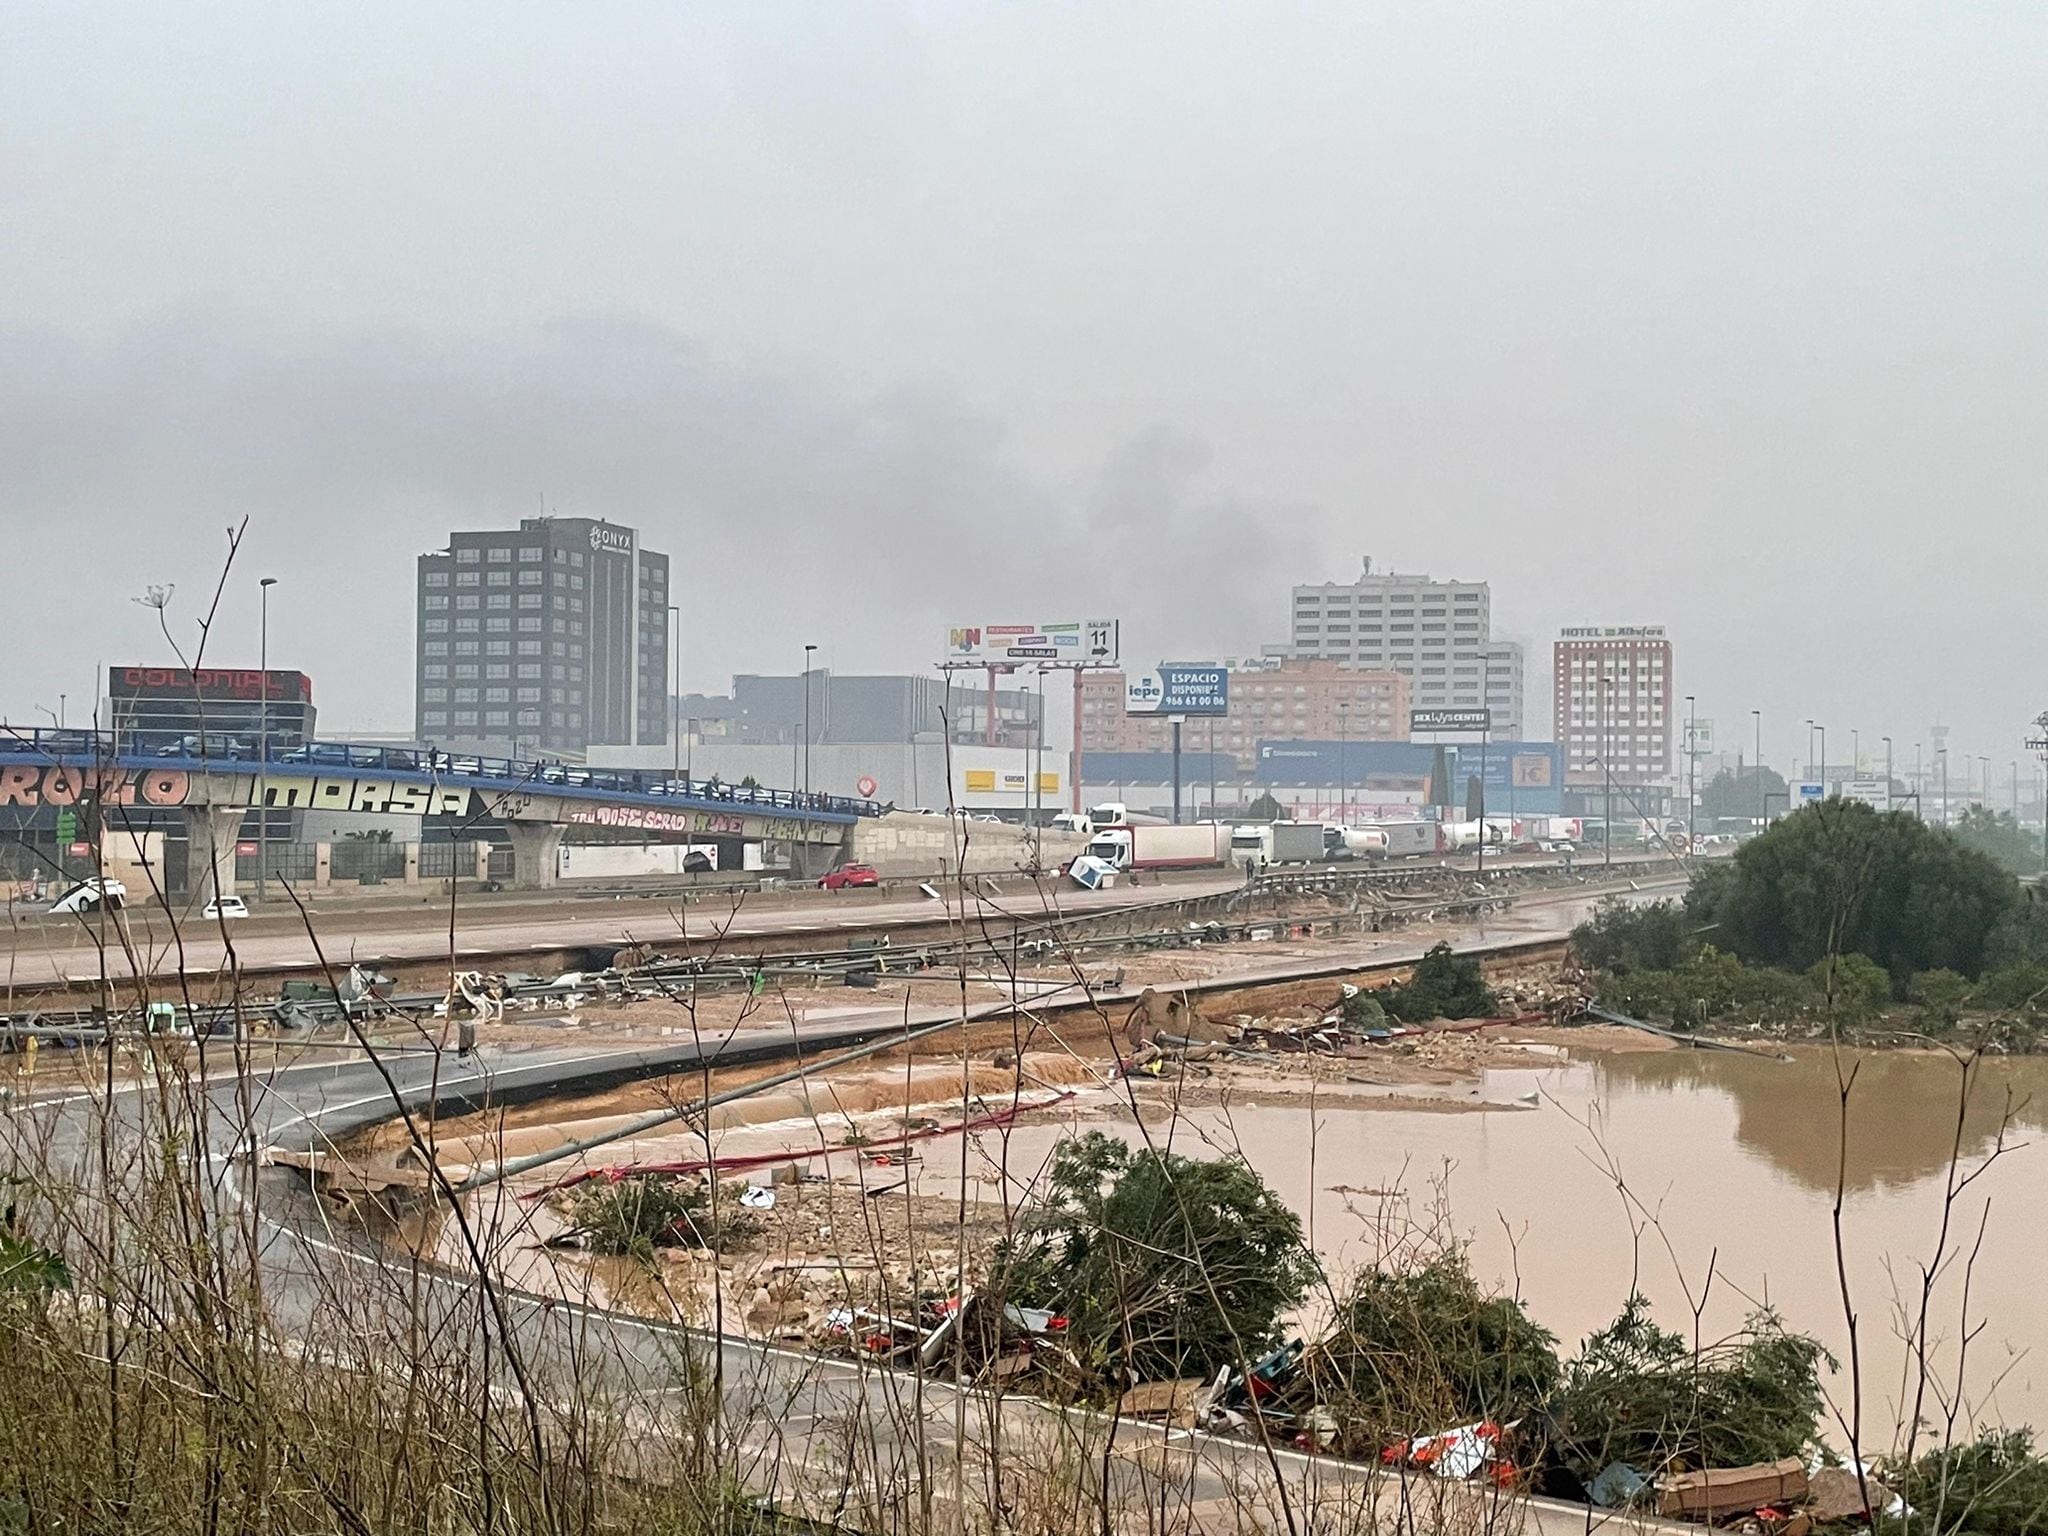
(1699, 736)
(1449, 721)
(245, 850)
(1179, 690)
(67, 826)
(865, 785)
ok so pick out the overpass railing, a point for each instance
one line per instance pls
(236, 752)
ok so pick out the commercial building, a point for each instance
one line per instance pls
(545, 639)
(1612, 692)
(1290, 698)
(1436, 633)
(848, 708)
(149, 708)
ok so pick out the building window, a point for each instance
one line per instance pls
(498, 669)
(434, 719)
(436, 604)
(529, 717)
(435, 648)
(465, 578)
(465, 695)
(465, 647)
(529, 668)
(498, 554)
(529, 599)
(499, 579)
(497, 695)
(465, 601)
(465, 557)
(530, 578)
(465, 717)
(437, 578)
(434, 695)
(529, 695)
(434, 669)
(532, 552)
(497, 624)
(437, 626)
(465, 669)
(465, 626)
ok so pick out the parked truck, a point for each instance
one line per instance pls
(1205, 845)
(1411, 839)
(1277, 842)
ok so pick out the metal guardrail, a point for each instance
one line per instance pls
(196, 754)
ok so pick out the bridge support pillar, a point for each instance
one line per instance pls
(534, 845)
(213, 831)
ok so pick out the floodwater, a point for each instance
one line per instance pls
(1700, 1173)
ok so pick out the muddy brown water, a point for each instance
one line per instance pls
(1659, 1169)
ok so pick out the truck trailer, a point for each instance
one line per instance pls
(1205, 845)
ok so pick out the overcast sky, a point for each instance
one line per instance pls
(876, 318)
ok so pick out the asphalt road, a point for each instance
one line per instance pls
(50, 953)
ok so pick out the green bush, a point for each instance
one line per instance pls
(1620, 937)
(637, 1215)
(1424, 1346)
(1363, 1010)
(1638, 1394)
(1851, 988)
(1940, 996)
(1994, 1485)
(1164, 1266)
(1445, 985)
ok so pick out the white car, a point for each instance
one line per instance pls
(229, 907)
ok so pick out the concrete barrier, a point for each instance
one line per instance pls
(903, 845)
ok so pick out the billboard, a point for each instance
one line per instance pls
(1519, 765)
(207, 683)
(1069, 643)
(1178, 690)
(1449, 721)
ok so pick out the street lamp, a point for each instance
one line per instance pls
(1887, 773)
(675, 687)
(1343, 763)
(1691, 764)
(263, 738)
(1758, 716)
(1606, 774)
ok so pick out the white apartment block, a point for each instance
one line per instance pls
(1612, 690)
(1437, 634)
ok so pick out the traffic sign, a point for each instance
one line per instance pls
(865, 785)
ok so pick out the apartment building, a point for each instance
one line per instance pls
(1612, 691)
(1437, 634)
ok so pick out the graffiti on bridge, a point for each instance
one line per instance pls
(27, 784)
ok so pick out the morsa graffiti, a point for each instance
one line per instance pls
(28, 784)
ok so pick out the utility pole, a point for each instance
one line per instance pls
(803, 842)
(1887, 774)
(675, 686)
(1343, 763)
(262, 740)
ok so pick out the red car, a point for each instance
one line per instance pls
(847, 875)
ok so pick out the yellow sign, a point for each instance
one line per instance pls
(1048, 783)
(981, 781)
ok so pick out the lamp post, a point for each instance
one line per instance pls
(1887, 774)
(1758, 716)
(1606, 776)
(675, 686)
(1983, 781)
(1691, 764)
(263, 739)
(1343, 763)
(1855, 753)
(809, 651)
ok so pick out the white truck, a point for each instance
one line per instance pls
(1277, 842)
(1205, 845)
(1341, 842)
(1411, 839)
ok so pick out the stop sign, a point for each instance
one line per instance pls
(866, 785)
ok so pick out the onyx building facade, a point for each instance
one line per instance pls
(543, 640)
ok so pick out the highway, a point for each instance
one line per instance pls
(830, 1439)
(53, 953)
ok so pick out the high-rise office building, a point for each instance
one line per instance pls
(1437, 634)
(1612, 693)
(548, 638)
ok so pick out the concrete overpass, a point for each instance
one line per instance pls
(213, 786)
